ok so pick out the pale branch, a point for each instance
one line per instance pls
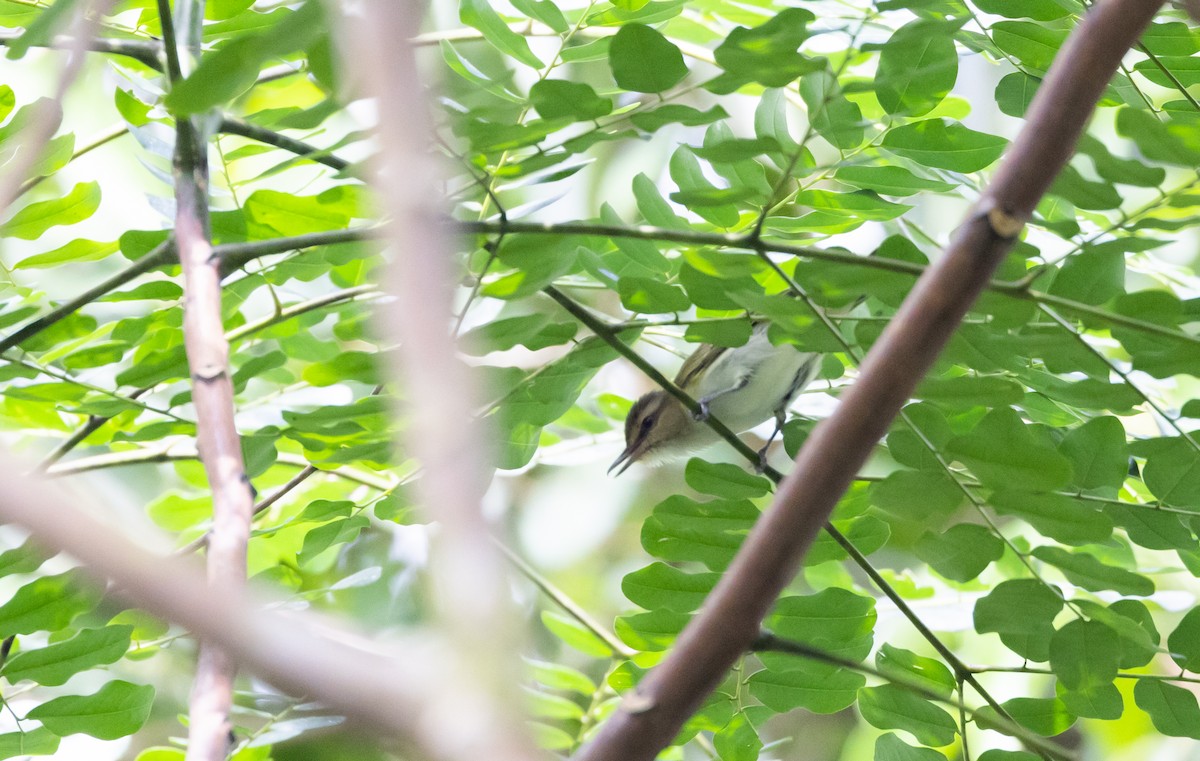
(104, 138)
(217, 437)
(45, 115)
(769, 642)
(832, 455)
(473, 599)
(398, 690)
(1018, 289)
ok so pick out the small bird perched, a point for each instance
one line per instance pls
(741, 387)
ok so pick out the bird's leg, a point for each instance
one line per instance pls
(780, 416)
(706, 400)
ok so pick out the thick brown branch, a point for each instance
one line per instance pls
(837, 448)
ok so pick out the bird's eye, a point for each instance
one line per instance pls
(647, 423)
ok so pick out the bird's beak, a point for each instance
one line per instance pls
(623, 461)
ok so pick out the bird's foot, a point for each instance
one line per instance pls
(761, 466)
(703, 413)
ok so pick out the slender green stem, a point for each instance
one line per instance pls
(768, 642)
(564, 601)
(1016, 289)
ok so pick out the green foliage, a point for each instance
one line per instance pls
(679, 171)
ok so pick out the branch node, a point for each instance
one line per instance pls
(1003, 223)
(634, 703)
(209, 373)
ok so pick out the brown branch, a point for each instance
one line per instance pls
(148, 52)
(827, 463)
(473, 597)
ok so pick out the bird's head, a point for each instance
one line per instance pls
(657, 425)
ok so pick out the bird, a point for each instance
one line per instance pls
(742, 387)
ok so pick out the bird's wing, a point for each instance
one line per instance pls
(697, 364)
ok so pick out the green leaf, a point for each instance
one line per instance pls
(1057, 517)
(767, 54)
(49, 22)
(538, 261)
(232, 69)
(36, 742)
(1034, 45)
(30, 222)
(544, 397)
(1098, 454)
(917, 68)
(1046, 716)
(917, 495)
(971, 390)
(559, 99)
(1022, 612)
(645, 296)
(889, 747)
(660, 586)
(962, 552)
(1172, 473)
(890, 180)
(905, 665)
(284, 214)
(642, 60)
(533, 331)
(54, 664)
(1172, 709)
(1038, 10)
(1088, 572)
(1170, 142)
(833, 619)
(890, 707)
(544, 11)
(572, 634)
(24, 559)
(119, 709)
(654, 631)
(1091, 276)
(1003, 453)
(656, 209)
(834, 117)
(935, 143)
(48, 603)
(737, 740)
(818, 687)
(1184, 641)
(338, 531)
(1084, 655)
(682, 529)
(725, 480)
(559, 677)
(78, 250)
(546, 706)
